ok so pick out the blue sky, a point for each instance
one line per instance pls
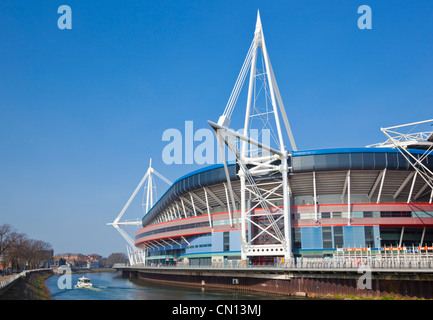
(83, 110)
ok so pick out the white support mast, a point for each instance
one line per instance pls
(135, 254)
(272, 229)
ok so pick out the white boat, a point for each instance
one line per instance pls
(84, 282)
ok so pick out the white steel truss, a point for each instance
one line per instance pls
(136, 255)
(403, 141)
(265, 228)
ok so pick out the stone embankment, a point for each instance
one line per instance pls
(28, 285)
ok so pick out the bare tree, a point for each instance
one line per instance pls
(13, 254)
(26, 252)
(19, 251)
(116, 258)
(6, 234)
(42, 252)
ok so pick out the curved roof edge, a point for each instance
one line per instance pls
(198, 178)
(355, 159)
(352, 150)
(302, 161)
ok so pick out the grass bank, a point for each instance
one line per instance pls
(32, 287)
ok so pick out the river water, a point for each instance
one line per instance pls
(111, 286)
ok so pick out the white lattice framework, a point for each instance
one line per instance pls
(137, 255)
(409, 139)
(265, 211)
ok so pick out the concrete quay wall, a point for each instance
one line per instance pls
(413, 284)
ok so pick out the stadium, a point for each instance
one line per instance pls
(388, 208)
(273, 204)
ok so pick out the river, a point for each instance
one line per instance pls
(111, 286)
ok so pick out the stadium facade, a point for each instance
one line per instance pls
(385, 206)
(278, 204)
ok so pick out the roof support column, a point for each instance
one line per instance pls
(175, 242)
(208, 209)
(405, 182)
(171, 214)
(421, 191)
(183, 206)
(174, 213)
(401, 236)
(348, 199)
(315, 196)
(422, 237)
(243, 213)
(381, 186)
(347, 186)
(376, 183)
(411, 187)
(193, 205)
(286, 210)
(178, 210)
(228, 206)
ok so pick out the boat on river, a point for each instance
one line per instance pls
(84, 282)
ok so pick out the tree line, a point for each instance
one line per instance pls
(19, 252)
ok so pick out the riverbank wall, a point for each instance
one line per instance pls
(28, 285)
(312, 283)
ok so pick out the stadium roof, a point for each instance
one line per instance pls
(301, 161)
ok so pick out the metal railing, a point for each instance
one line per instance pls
(411, 264)
(5, 282)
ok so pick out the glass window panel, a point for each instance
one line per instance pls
(368, 214)
(336, 214)
(327, 237)
(369, 236)
(338, 237)
(326, 215)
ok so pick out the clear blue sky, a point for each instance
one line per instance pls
(83, 110)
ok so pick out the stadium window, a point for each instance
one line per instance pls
(368, 214)
(396, 214)
(338, 237)
(336, 214)
(226, 241)
(297, 243)
(369, 236)
(326, 215)
(327, 237)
